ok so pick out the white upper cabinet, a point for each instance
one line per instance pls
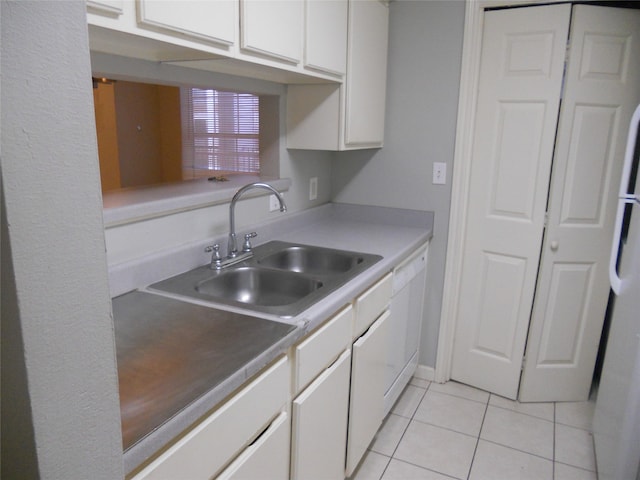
(285, 41)
(106, 7)
(203, 20)
(367, 73)
(272, 29)
(348, 116)
(325, 45)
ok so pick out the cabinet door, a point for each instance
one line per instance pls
(106, 7)
(267, 458)
(210, 21)
(320, 424)
(366, 405)
(272, 29)
(325, 45)
(366, 73)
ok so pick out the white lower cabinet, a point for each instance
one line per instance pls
(267, 457)
(319, 428)
(366, 404)
(203, 451)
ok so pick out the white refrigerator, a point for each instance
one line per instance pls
(616, 423)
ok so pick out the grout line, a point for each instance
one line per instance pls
(466, 398)
(576, 467)
(408, 423)
(447, 428)
(425, 468)
(553, 444)
(475, 450)
(525, 413)
(521, 451)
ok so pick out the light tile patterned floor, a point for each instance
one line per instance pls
(452, 431)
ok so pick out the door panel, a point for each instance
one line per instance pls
(565, 312)
(515, 168)
(588, 172)
(502, 280)
(519, 92)
(602, 89)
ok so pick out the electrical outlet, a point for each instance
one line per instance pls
(439, 173)
(313, 188)
(274, 204)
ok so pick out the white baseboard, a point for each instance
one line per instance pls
(425, 373)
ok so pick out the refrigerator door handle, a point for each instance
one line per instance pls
(624, 198)
(614, 278)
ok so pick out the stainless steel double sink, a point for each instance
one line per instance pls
(281, 278)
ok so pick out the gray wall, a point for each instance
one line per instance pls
(425, 52)
(60, 409)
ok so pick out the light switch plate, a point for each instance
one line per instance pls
(439, 173)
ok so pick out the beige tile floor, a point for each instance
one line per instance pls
(444, 431)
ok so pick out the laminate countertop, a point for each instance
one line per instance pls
(219, 347)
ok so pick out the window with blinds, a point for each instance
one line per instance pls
(220, 132)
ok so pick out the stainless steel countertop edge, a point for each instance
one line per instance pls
(154, 441)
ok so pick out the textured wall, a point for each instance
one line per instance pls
(425, 52)
(60, 367)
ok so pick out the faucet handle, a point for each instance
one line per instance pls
(246, 246)
(216, 259)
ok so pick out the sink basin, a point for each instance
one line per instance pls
(256, 286)
(312, 260)
(281, 279)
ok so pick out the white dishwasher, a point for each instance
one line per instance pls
(405, 324)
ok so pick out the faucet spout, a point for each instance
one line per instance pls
(232, 245)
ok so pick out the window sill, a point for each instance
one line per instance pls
(130, 205)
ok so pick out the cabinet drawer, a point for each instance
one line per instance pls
(321, 348)
(267, 458)
(204, 450)
(371, 303)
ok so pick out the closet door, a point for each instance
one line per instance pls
(520, 82)
(602, 89)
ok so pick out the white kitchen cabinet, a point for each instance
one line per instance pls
(164, 31)
(366, 402)
(261, 39)
(322, 366)
(267, 457)
(106, 7)
(205, 449)
(370, 304)
(318, 350)
(208, 21)
(319, 428)
(348, 116)
(325, 39)
(273, 29)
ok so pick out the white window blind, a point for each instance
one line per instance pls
(220, 131)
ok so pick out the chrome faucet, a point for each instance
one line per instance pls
(232, 246)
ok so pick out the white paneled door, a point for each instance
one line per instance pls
(537, 231)
(602, 91)
(520, 81)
